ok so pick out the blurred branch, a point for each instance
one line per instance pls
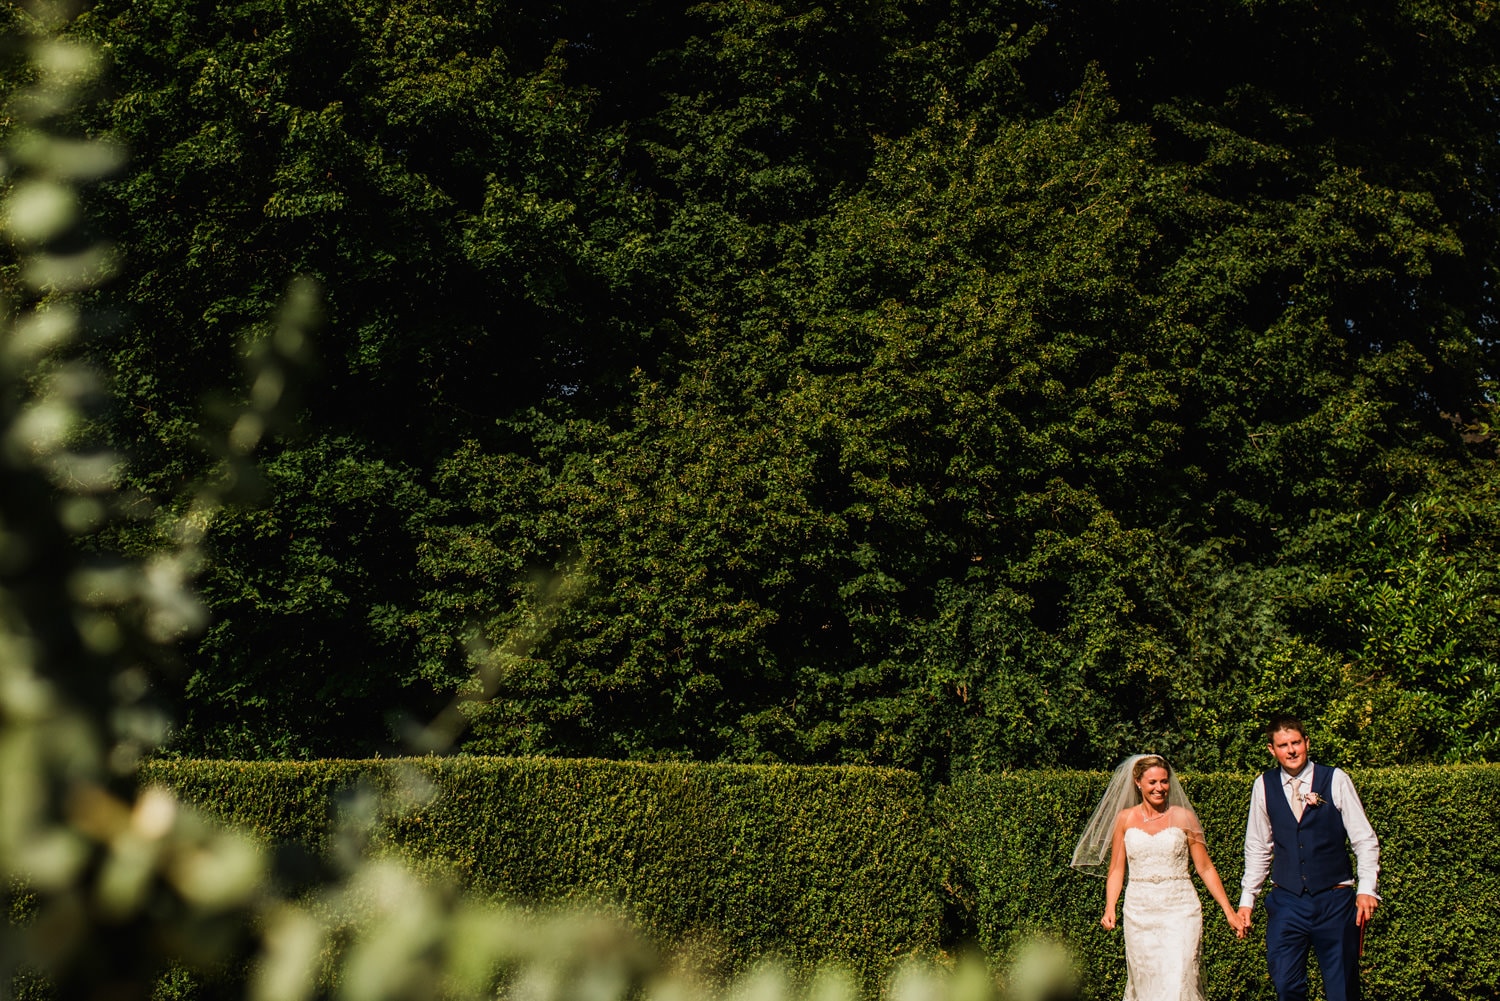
(121, 882)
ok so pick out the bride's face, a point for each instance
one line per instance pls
(1153, 786)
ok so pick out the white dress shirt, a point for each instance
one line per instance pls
(1259, 847)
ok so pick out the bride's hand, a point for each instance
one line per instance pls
(1108, 921)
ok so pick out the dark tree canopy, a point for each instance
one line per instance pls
(947, 385)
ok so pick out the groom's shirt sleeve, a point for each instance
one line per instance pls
(1361, 835)
(1258, 845)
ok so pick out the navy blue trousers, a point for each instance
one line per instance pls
(1322, 923)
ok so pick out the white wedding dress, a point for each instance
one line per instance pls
(1163, 918)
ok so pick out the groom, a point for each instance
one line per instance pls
(1301, 816)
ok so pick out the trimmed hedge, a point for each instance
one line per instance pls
(1435, 937)
(845, 863)
(804, 863)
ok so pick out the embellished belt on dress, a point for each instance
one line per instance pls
(1158, 879)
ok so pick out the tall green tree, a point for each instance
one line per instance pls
(967, 384)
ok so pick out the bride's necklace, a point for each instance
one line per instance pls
(1150, 820)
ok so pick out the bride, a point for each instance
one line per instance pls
(1145, 819)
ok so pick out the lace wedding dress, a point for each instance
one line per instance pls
(1163, 918)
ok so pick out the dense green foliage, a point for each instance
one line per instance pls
(1432, 938)
(735, 863)
(954, 385)
(106, 885)
(854, 864)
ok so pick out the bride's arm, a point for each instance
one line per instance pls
(1116, 881)
(1210, 877)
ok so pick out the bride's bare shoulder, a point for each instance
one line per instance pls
(1181, 816)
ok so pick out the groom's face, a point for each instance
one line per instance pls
(1290, 749)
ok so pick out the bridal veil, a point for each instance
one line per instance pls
(1092, 853)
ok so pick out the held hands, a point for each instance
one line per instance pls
(1242, 926)
(1235, 924)
(1239, 921)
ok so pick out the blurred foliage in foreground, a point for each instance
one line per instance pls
(808, 864)
(854, 864)
(960, 385)
(109, 887)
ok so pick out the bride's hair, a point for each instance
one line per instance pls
(1145, 763)
(1093, 850)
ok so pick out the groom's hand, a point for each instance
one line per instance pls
(1244, 928)
(1364, 906)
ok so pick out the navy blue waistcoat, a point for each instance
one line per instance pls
(1312, 856)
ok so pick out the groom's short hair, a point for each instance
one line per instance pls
(1284, 722)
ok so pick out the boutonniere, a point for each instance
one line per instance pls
(1312, 799)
